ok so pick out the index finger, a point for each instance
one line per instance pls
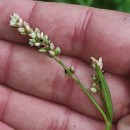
(79, 31)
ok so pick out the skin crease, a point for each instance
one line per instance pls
(34, 92)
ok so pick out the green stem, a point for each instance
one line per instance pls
(84, 89)
(108, 126)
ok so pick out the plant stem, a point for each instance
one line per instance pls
(84, 89)
(108, 126)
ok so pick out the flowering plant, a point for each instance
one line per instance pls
(45, 45)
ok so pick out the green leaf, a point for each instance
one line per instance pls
(105, 93)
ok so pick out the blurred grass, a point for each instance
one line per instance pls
(120, 5)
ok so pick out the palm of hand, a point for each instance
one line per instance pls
(50, 100)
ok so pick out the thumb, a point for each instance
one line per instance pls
(124, 123)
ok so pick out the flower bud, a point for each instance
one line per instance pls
(37, 30)
(32, 40)
(52, 53)
(20, 21)
(42, 35)
(37, 44)
(94, 60)
(21, 30)
(57, 51)
(33, 35)
(52, 46)
(93, 90)
(72, 70)
(100, 63)
(42, 50)
(25, 23)
(13, 19)
(16, 16)
(12, 23)
(28, 28)
(46, 39)
(38, 36)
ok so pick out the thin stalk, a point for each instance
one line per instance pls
(108, 126)
(84, 89)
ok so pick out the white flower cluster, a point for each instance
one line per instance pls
(38, 39)
(97, 62)
(96, 81)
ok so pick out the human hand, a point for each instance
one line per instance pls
(50, 100)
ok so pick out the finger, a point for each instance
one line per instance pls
(31, 72)
(79, 31)
(29, 113)
(3, 126)
(124, 123)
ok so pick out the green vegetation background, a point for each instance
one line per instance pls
(120, 5)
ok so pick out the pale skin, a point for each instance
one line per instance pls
(35, 94)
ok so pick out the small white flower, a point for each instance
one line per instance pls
(28, 28)
(43, 50)
(98, 62)
(52, 53)
(38, 35)
(94, 60)
(21, 30)
(42, 35)
(16, 16)
(20, 21)
(37, 30)
(19, 24)
(52, 46)
(93, 90)
(32, 40)
(45, 38)
(37, 44)
(12, 23)
(12, 18)
(33, 35)
(25, 24)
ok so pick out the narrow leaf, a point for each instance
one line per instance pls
(105, 92)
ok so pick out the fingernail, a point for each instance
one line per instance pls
(124, 123)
